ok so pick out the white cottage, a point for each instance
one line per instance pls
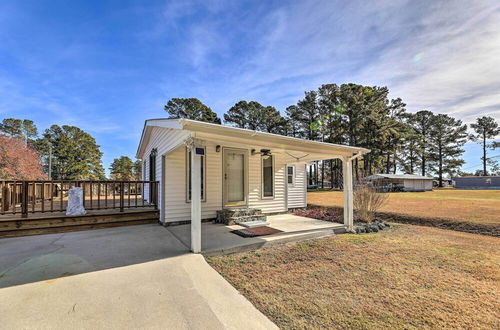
(236, 169)
(402, 182)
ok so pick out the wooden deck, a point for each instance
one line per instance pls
(13, 225)
(39, 207)
(58, 207)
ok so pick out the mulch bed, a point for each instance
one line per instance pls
(256, 231)
(335, 214)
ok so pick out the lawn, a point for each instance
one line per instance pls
(472, 206)
(407, 277)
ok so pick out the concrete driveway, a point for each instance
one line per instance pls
(127, 277)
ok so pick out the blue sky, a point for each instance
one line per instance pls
(106, 66)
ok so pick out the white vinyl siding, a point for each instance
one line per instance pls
(176, 208)
(278, 203)
(418, 185)
(297, 191)
(164, 140)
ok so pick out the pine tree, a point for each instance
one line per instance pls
(446, 137)
(191, 108)
(75, 153)
(253, 115)
(122, 169)
(409, 154)
(485, 128)
(421, 123)
(137, 170)
(20, 128)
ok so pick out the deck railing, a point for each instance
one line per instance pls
(25, 197)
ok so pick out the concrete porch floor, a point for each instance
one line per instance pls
(217, 239)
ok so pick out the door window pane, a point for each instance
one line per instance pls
(235, 177)
(267, 176)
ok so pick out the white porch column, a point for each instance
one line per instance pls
(195, 200)
(348, 192)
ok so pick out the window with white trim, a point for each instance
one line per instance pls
(267, 176)
(290, 175)
(201, 152)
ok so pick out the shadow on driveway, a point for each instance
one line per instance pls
(44, 257)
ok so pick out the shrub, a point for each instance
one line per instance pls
(367, 201)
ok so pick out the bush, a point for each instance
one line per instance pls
(367, 201)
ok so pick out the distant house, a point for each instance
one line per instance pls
(401, 182)
(477, 182)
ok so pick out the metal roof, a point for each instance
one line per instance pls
(400, 176)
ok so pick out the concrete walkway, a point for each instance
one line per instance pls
(161, 285)
(217, 239)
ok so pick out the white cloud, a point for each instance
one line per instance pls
(442, 56)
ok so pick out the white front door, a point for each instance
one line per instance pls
(234, 176)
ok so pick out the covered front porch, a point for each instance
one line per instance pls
(233, 168)
(198, 237)
(218, 239)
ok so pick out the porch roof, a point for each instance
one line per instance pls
(300, 149)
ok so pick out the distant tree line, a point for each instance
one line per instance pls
(364, 116)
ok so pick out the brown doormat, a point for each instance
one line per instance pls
(256, 231)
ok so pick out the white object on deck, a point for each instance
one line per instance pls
(75, 202)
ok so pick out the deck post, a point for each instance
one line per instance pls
(195, 200)
(122, 196)
(348, 192)
(24, 199)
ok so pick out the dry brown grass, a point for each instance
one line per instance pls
(481, 206)
(408, 277)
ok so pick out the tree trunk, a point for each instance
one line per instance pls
(423, 164)
(440, 166)
(484, 155)
(388, 163)
(395, 165)
(316, 172)
(356, 172)
(411, 162)
(322, 174)
(331, 173)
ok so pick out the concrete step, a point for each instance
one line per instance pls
(232, 216)
(251, 224)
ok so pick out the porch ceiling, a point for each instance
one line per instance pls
(295, 154)
(296, 149)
